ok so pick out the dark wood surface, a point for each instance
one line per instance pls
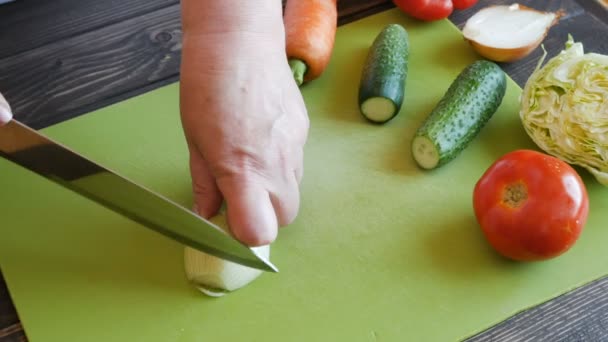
(63, 58)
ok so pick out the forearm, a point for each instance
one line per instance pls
(224, 34)
(207, 18)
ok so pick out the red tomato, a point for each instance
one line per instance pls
(531, 206)
(427, 10)
(463, 4)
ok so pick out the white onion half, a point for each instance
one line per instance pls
(507, 33)
(216, 277)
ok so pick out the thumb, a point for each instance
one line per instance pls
(5, 111)
(251, 216)
(207, 197)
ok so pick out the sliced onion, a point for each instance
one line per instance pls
(217, 277)
(507, 33)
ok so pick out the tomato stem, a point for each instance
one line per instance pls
(515, 195)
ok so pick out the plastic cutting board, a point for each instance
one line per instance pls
(381, 250)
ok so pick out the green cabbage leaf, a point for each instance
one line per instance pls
(564, 108)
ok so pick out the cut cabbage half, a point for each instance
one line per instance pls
(564, 108)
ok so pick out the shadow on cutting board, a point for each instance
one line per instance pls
(458, 246)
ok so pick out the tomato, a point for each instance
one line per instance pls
(427, 10)
(463, 4)
(530, 206)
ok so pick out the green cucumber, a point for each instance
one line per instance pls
(383, 79)
(465, 108)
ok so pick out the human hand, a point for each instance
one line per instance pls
(246, 125)
(5, 111)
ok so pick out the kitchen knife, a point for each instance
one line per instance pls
(35, 152)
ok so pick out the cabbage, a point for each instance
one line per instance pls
(564, 108)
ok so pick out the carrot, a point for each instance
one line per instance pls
(310, 32)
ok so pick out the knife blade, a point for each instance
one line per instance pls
(33, 151)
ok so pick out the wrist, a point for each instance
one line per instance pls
(232, 18)
(223, 52)
(216, 32)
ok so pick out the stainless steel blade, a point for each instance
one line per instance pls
(38, 153)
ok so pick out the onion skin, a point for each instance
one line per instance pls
(504, 55)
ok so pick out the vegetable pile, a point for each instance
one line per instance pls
(564, 108)
(530, 205)
(458, 117)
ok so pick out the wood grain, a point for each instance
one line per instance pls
(46, 21)
(63, 58)
(55, 82)
(10, 328)
(581, 315)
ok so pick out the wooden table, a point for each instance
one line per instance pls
(63, 58)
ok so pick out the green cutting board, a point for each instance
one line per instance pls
(381, 250)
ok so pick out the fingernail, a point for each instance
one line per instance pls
(260, 234)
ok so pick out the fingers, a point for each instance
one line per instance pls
(251, 215)
(285, 190)
(286, 202)
(254, 213)
(207, 196)
(299, 174)
(298, 156)
(5, 111)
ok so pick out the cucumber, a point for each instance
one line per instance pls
(383, 79)
(465, 108)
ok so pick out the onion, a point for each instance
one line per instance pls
(216, 277)
(507, 33)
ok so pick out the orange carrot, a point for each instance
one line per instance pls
(310, 32)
